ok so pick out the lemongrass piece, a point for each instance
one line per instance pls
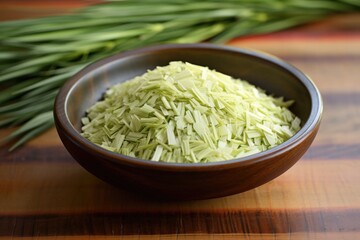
(186, 113)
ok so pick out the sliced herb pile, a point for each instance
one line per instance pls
(38, 55)
(186, 113)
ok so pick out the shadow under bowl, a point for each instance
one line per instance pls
(187, 181)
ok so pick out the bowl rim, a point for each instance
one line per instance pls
(63, 124)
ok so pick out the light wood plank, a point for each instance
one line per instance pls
(52, 188)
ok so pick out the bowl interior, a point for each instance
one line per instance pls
(269, 73)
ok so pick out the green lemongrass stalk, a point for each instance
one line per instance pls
(38, 55)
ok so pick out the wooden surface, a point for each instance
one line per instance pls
(45, 194)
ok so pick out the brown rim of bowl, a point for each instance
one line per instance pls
(313, 121)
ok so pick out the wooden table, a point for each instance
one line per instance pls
(45, 194)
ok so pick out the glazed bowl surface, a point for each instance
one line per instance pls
(196, 180)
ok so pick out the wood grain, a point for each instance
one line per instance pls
(244, 221)
(45, 194)
(70, 189)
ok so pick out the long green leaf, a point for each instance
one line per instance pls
(31, 134)
(35, 122)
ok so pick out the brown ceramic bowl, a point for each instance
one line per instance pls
(188, 181)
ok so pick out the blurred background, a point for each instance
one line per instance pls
(21, 9)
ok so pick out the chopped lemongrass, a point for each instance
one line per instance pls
(184, 113)
(170, 133)
(157, 153)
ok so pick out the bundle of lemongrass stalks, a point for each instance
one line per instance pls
(38, 55)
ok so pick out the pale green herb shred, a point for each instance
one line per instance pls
(184, 113)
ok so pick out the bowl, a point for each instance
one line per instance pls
(196, 180)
